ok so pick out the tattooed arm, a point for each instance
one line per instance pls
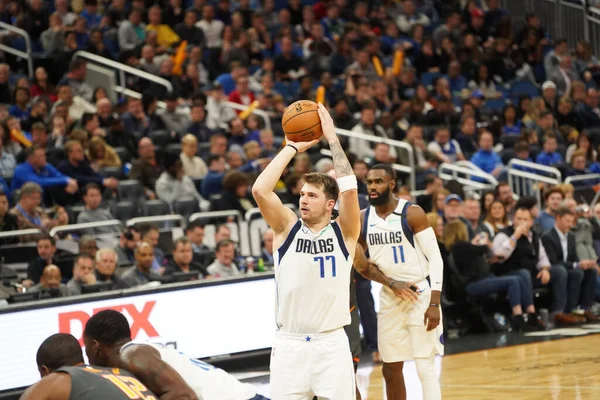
(145, 363)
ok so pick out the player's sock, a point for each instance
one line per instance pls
(429, 380)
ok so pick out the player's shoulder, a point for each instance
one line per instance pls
(57, 385)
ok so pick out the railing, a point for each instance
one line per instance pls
(260, 113)
(157, 218)
(524, 178)
(574, 180)
(22, 232)
(239, 229)
(122, 69)
(84, 227)
(468, 175)
(27, 54)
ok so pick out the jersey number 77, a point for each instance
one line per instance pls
(326, 260)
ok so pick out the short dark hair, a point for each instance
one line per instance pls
(329, 185)
(59, 350)
(563, 210)
(108, 327)
(87, 117)
(553, 190)
(430, 179)
(234, 179)
(389, 171)
(77, 63)
(82, 257)
(193, 225)
(145, 228)
(521, 145)
(46, 237)
(212, 158)
(292, 180)
(223, 243)
(526, 202)
(522, 208)
(91, 186)
(181, 240)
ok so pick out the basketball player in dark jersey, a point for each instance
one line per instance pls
(66, 377)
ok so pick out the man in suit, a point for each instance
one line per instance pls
(581, 274)
(589, 112)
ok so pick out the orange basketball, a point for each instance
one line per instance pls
(301, 122)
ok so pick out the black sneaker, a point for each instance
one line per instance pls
(535, 321)
(520, 325)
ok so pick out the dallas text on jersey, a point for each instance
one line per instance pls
(314, 246)
(385, 238)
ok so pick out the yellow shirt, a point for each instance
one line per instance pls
(164, 34)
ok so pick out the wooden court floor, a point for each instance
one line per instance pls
(566, 369)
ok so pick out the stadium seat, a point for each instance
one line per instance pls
(173, 148)
(123, 210)
(130, 190)
(495, 105)
(427, 78)
(507, 154)
(74, 212)
(16, 196)
(111, 172)
(186, 206)
(160, 138)
(18, 253)
(519, 89)
(155, 207)
(123, 154)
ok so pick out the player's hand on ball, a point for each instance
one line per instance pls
(404, 291)
(302, 146)
(432, 318)
(327, 123)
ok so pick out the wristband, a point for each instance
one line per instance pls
(434, 305)
(346, 183)
(293, 147)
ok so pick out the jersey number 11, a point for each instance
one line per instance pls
(322, 260)
(398, 251)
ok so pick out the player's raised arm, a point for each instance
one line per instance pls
(279, 217)
(349, 209)
(145, 363)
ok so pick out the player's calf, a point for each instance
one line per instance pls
(394, 380)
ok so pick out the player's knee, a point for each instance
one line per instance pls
(393, 371)
(425, 369)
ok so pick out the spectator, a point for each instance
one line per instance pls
(213, 182)
(75, 79)
(467, 138)
(242, 94)
(496, 219)
(101, 155)
(512, 125)
(472, 219)
(106, 267)
(267, 247)
(92, 197)
(77, 167)
(410, 17)
(589, 112)
(8, 221)
(211, 28)
(565, 115)
(46, 248)
(41, 85)
(187, 30)
(150, 234)
(235, 194)
(83, 274)
(20, 107)
(193, 166)
(142, 273)
(584, 230)
(444, 148)
(367, 125)
(175, 119)
(36, 170)
(88, 245)
(50, 283)
(521, 252)
(222, 233)
(76, 106)
(452, 208)
(8, 163)
(165, 37)
(583, 145)
(197, 126)
(505, 194)
(173, 183)
(62, 10)
(486, 158)
(288, 65)
(219, 115)
(549, 156)
(128, 242)
(451, 29)
(581, 274)
(135, 121)
(224, 266)
(183, 259)
(28, 212)
(146, 168)
(470, 259)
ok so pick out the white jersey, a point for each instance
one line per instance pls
(207, 381)
(391, 245)
(312, 275)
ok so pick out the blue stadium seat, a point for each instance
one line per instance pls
(523, 88)
(427, 78)
(495, 105)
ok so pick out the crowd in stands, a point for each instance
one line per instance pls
(455, 80)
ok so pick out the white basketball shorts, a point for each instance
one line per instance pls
(401, 332)
(303, 366)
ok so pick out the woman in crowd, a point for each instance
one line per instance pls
(511, 124)
(41, 85)
(475, 273)
(101, 155)
(439, 198)
(496, 218)
(485, 202)
(583, 144)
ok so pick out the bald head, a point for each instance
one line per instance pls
(50, 277)
(146, 149)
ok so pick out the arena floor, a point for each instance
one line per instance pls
(551, 368)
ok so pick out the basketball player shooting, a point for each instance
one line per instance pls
(399, 240)
(311, 355)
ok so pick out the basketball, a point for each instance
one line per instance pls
(301, 122)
